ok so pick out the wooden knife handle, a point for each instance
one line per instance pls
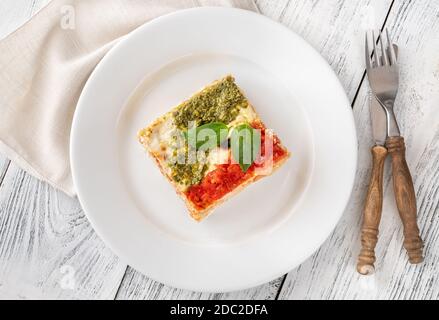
(405, 199)
(372, 213)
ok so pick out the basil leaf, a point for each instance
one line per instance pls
(245, 145)
(210, 135)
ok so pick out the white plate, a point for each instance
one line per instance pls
(263, 232)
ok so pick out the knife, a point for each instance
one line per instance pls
(374, 199)
(383, 77)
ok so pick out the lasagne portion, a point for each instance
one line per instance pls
(212, 145)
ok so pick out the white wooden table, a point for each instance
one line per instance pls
(49, 250)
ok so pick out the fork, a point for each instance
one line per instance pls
(383, 74)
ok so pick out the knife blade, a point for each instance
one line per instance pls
(379, 121)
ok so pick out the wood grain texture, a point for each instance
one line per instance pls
(334, 28)
(405, 199)
(372, 213)
(137, 286)
(4, 164)
(48, 249)
(330, 273)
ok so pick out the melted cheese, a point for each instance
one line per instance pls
(158, 139)
(245, 115)
(160, 135)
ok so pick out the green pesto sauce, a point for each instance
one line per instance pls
(188, 174)
(220, 102)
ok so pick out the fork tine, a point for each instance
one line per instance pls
(392, 53)
(384, 51)
(377, 62)
(368, 53)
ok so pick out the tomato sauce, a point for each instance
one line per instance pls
(227, 177)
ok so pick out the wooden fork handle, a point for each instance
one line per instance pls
(372, 213)
(405, 199)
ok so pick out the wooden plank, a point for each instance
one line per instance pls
(311, 19)
(332, 28)
(330, 273)
(48, 250)
(137, 286)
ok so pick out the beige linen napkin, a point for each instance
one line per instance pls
(45, 64)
